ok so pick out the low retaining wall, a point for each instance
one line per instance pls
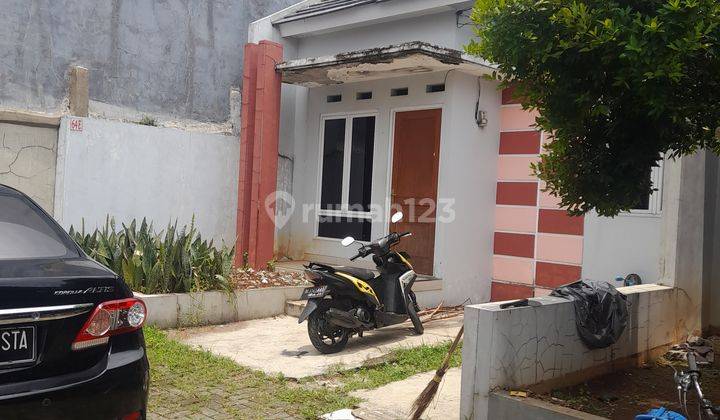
(537, 347)
(504, 406)
(209, 308)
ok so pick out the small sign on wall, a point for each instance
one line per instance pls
(76, 124)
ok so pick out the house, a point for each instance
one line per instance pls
(371, 106)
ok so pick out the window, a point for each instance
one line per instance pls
(333, 160)
(435, 88)
(346, 177)
(26, 233)
(340, 227)
(651, 203)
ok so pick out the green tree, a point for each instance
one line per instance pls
(617, 83)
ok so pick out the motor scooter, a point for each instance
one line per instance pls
(346, 300)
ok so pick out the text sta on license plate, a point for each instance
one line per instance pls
(17, 345)
(12, 340)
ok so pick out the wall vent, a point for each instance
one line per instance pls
(399, 92)
(440, 87)
(363, 96)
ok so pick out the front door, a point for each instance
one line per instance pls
(414, 182)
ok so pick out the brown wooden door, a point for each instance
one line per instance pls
(414, 183)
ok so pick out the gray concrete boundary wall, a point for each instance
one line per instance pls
(131, 171)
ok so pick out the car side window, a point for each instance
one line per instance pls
(25, 232)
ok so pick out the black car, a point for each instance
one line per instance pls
(71, 341)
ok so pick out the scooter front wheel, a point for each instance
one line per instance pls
(324, 336)
(412, 313)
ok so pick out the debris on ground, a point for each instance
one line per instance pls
(247, 278)
(521, 394)
(441, 312)
(344, 414)
(624, 393)
(703, 349)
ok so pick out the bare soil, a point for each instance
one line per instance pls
(625, 394)
(247, 278)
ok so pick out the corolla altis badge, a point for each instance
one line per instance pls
(88, 291)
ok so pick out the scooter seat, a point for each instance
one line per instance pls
(360, 273)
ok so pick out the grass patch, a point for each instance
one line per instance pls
(405, 363)
(189, 380)
(200, 379)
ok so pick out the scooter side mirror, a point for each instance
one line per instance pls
(348, 241)
(397, 217)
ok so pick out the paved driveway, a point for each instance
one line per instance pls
(281, 346)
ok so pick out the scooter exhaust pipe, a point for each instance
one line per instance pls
(342, 318)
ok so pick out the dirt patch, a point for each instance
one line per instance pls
(247, 278)
(624, 394)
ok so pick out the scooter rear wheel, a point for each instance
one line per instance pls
(324, 336)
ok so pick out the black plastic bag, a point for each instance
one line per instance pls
(601, 312)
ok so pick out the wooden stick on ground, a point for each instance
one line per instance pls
(433, 312)
(428, 394)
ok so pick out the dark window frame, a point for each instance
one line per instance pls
(655, 198)
(344, 210)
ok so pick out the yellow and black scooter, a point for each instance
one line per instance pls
(346, 300)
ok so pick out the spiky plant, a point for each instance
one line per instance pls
(171, 261)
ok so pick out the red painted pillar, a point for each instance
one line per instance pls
(259, 136)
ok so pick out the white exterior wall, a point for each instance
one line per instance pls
(628, 243)
(620, 246)
(467, 173)
(133, 171)
(437, 29)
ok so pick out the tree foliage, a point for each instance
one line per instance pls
(617, 83)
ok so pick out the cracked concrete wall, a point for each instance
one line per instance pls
(28, 158)
(172, 57)
(520, 348)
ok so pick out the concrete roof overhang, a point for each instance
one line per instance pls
(380, 63)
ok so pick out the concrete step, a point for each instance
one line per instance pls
(294, 307)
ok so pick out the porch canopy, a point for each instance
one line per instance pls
(379, 63)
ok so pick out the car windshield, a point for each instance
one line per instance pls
(25, 232)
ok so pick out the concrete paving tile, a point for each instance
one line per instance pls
(394, 400)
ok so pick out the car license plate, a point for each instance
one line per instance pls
(17, 345)
(314, 292)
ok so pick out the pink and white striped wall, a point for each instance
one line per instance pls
(537, 246)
